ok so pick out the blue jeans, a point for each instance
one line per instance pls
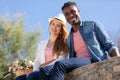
(33, 76)
(21, 77)
(44, 73)
(64, 66)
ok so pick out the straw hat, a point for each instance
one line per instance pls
(61, 18)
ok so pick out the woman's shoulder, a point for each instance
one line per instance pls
(43, 42)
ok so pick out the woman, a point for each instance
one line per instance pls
(52, 50)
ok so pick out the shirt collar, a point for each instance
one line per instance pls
(81, 23)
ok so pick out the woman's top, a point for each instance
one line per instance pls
(40, 56)
(48, 54)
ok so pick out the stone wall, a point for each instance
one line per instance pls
(106, 70)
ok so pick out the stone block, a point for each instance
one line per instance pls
(108, 69)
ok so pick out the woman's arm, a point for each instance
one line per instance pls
(45, 64)
(60, 57)
(37, 62)
(40, 56)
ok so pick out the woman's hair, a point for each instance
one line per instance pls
(68, 4)
(60, 44)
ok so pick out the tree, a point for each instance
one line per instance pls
(15, 42)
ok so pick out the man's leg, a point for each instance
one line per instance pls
(64, 66)
(44, 72)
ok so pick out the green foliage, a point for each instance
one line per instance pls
(14, 42)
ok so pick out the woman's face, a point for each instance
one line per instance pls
(55, 27)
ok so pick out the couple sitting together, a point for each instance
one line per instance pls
(86, 43)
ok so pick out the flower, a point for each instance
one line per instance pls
(22, 64)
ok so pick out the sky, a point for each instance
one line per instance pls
(37, 12)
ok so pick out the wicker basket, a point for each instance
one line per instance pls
(23, 71)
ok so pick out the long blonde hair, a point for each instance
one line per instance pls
(60, 44)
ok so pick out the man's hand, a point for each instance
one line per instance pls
(114, 52)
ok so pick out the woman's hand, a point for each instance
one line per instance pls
(44, 64)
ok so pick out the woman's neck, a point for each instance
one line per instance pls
(52, 38)
(51, 41)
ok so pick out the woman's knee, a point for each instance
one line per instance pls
(33, 76)
(21, 77)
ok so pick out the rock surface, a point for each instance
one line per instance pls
(106, 70)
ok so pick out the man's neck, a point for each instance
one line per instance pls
(76, 27)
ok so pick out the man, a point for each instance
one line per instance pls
(87, 41)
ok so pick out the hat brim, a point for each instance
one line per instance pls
(64, 25)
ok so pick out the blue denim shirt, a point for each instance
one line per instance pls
(96, 39)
